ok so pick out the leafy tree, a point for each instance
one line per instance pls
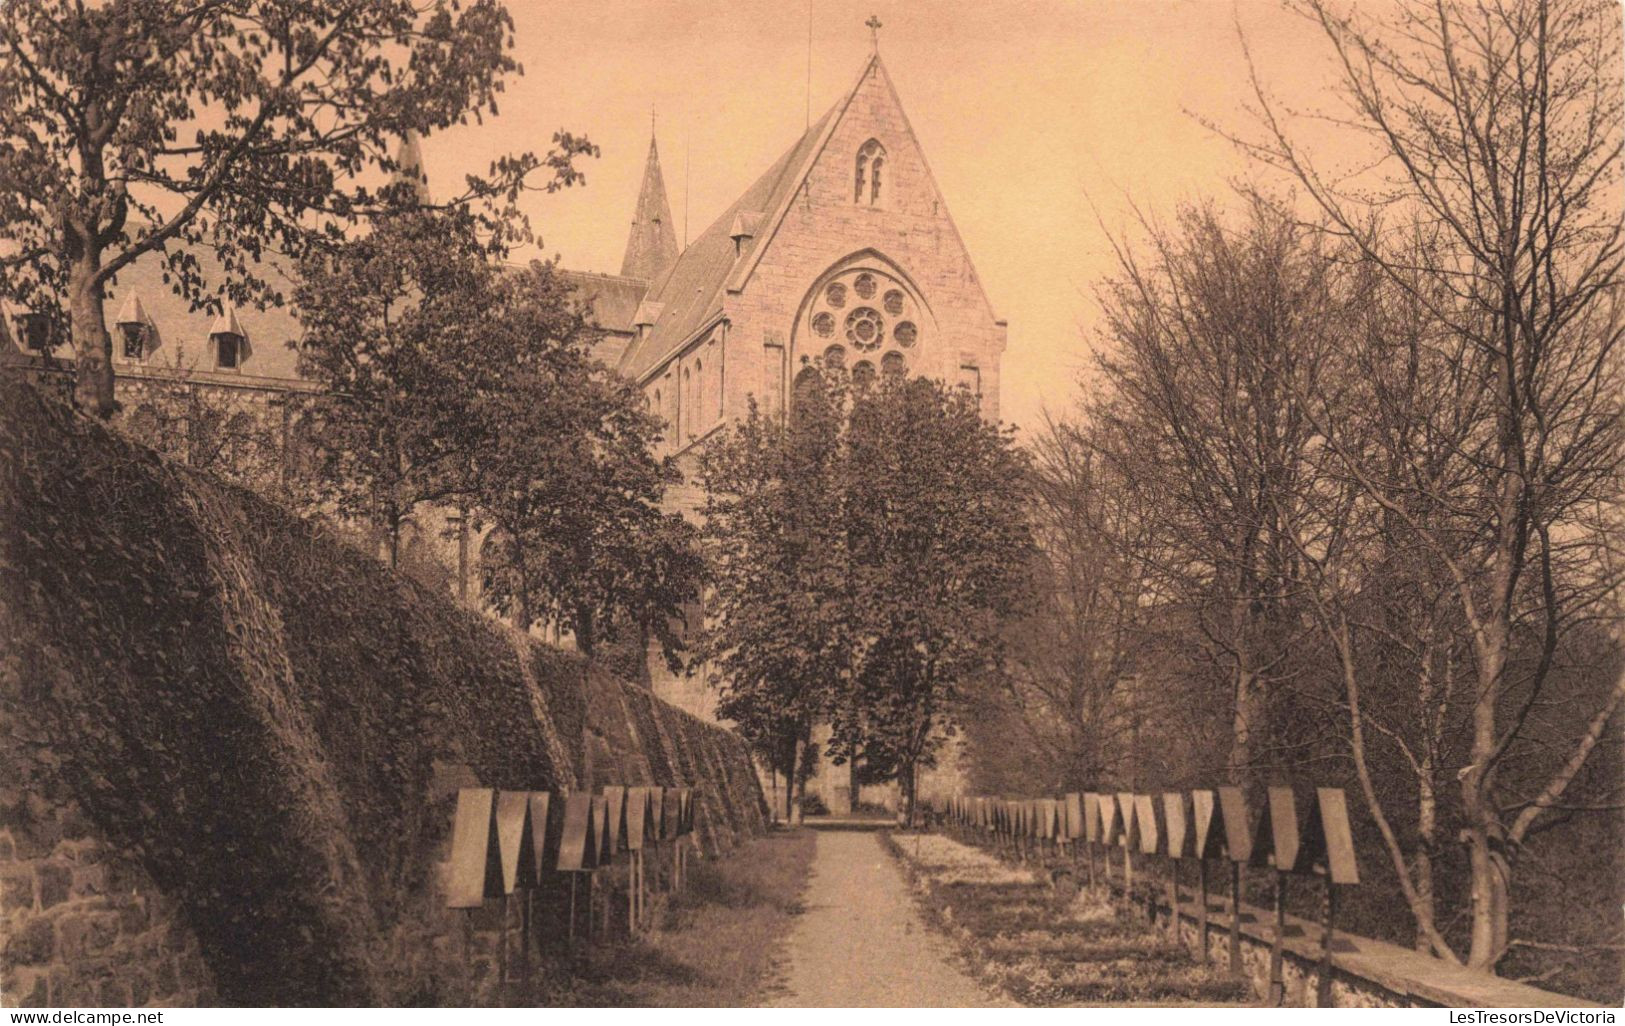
(778, 636)
(393, 325)
(940, 546)
(565, 473)
(867, 552)
(152, 126)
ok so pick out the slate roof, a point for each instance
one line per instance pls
(691, 293)
(614, 298)
(182, 330)
(651, 248)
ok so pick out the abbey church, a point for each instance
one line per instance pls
(843, 249)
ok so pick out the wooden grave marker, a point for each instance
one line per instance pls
(638, 820)
(578, 849)
(1278, 844)
(546, 826)
(1180, 846)
(1237, 824)
(1148, 820)
(518, 853)
(475, 869)
(518, 858)
(1129, 839)
(1089, 811)
(615, 806)
(1207, 842)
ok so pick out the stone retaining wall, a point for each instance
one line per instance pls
(230, 744)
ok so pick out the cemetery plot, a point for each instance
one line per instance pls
(1044, 943)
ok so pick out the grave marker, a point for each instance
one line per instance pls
(475, 871)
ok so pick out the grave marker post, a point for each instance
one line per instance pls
(1238, 838)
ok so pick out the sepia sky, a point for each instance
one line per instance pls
(1043, 121)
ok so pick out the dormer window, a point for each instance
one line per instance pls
(229, 342)
(133, 327)
(227, 350)
(871, 162)
(35, 328)
(135, 340)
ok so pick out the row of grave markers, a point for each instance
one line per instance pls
(1294, 833)
(505, 843)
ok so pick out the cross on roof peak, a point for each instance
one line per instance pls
(874, 31)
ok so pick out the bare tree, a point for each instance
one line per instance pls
(1497, 133)
(1209, 345)
(1089, 630)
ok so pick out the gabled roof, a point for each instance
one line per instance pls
(692, 293)
(614, 298)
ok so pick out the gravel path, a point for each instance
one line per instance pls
(861, 942)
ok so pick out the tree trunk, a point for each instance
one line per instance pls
(585, 640)
(797, 788)
(1483, 831)
(789, 781)
(909, 783)
(1424, 906)
(92, 345)
(854, 789)
(521, 589)
(1243, 728)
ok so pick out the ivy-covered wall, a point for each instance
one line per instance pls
(238, 740)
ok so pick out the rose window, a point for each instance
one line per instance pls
(870, 312)
(864, 328)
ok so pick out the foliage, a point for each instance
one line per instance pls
(451, 379)
(140, 127)
(778, 633)
(565, 473)
(157, 618)
(392, 320)
(867, 552)
(940, 542)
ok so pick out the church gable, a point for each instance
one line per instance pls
(866, 204)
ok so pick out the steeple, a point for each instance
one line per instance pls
(651, 249)
(409, 166)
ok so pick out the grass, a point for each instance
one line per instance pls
(1051, 945)
(714, 945)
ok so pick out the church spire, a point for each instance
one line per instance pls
(409, 166)
(652, 247)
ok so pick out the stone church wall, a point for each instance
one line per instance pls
(910, 226)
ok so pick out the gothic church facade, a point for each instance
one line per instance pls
(844, 250)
